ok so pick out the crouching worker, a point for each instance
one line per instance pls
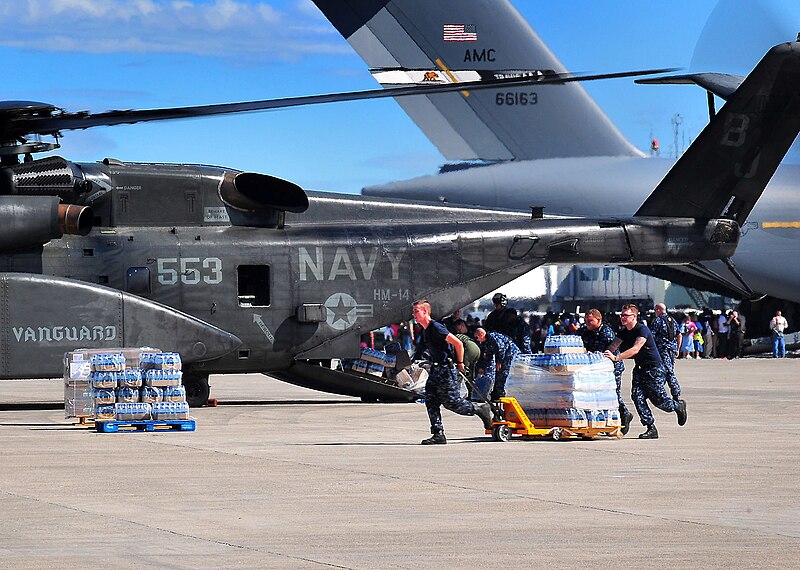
(441, 388)
(635, 341)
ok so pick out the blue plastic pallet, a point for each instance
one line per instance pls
(112, 426)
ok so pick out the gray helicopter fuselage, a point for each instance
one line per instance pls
(616, 186)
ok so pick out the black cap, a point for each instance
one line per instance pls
(499, 298)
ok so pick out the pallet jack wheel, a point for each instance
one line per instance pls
(556, 434)
(501, 432)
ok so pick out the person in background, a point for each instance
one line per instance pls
(722, 335)
(687, 337)
(735, 335)
(777, 326)
(597, 337)
(441, 389)
(636, 341)
(494, 320)
(697, 339)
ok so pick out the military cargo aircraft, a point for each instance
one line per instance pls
(244, 272)
(552, 146)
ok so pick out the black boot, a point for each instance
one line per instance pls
(651, 433)
(626, 418)
(484, 412)
(681, 412)
(435, 439)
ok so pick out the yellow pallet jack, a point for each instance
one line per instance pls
(514, 421)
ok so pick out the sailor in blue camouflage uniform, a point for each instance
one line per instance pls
(441, 389)
(499, 350)
(636, 341)
(666, 333)
(597, 337)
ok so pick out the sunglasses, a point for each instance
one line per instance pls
(626, 315)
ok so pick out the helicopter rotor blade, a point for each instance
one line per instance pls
(83, 120)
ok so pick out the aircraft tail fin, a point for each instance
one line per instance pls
(447, 41)
(727, 167)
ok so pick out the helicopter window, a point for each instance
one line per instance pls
(137, 281)
(253, 285)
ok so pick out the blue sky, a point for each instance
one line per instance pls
(125, 54)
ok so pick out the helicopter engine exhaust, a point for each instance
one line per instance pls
(259, 199)
(32, 221)
(75, 220)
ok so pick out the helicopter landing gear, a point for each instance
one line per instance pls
(197, 389)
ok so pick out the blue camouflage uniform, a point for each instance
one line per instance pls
(648, 374)
(667, 349)
(499, 348)
(441, 389)
(597, 341)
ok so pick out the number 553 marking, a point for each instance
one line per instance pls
(189, 270)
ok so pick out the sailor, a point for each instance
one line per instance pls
(598, 336)
(441, 389)
(499, 352)
(666, 333)
(494, 320)
(636, 341)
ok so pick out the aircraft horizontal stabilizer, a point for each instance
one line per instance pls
(723, 85)
(725, 171)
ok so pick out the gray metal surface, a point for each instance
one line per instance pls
(408, 34)
(600, 181)
(300, 484)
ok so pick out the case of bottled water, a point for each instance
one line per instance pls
(171, 411)
(107, 362)
(161, 378)
(160, 361)
(129, 378)
(103, 379)
(174, 394)
(151, 394)
(132, 411)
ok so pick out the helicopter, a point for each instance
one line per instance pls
(244, 272)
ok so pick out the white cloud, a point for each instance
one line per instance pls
(248, 29)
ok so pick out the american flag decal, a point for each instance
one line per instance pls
(459, 33)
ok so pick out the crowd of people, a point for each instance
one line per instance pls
(483, 350)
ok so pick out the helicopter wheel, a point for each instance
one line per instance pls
(197, 390)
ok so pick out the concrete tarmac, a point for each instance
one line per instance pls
(310, 480)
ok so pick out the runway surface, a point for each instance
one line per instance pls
(310, 480)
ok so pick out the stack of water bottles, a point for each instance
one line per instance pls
(163, 378)
(566, 386)
(151, 389)
(370, 361)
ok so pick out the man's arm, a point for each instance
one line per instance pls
(632, 351)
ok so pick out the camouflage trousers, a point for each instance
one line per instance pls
(668, 360)
(499, 387)
(648, 384)
(619, 368)
(441, 389)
